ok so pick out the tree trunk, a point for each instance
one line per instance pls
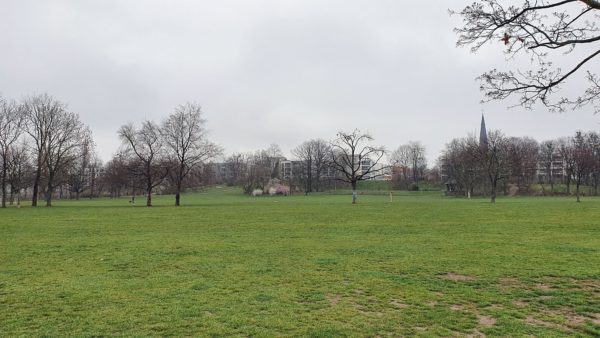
(49, 193)
(36, 184)
(568, 185)
(354, 196)
(177, 197)
(309, 177)
(149, 198)
(577, 191)
(494, 184)
(92, 182)
(4, 170)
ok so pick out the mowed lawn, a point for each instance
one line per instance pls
(228, 264)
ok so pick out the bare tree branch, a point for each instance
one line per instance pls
(537, 27)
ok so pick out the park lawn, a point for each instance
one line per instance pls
(228, 264)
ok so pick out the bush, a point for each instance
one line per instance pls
(279, 189)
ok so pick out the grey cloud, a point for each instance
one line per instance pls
(264, 71)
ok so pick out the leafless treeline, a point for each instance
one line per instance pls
(318, 165)
(173, 152)
(44, 145)
(470, 166)
(46, 150)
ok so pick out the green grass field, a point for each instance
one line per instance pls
(227, 264)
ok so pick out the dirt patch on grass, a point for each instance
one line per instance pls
(476, 334)
(457, 278)
(590, 285)
(562, 318)
(543, 287)
(576, 320)
(457, 307)
(398, 304)
(530, 320)
(520, 303)
(572, 320)
(333, 299)
(507, 283)
(486, 321)
(365, 310)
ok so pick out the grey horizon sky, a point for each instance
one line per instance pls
(266, 71)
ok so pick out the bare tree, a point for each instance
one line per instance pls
(547, 157)
(566, 151)
(11, 122)
(356, 160)
(495, 159)
(401, 158)
(314, 155)
(593, 138)
(40, 112)
(115, 175)
(410, 160)
(524, 155)
(418, 161)
(79, 174)
(186, 137)
(56, 133)
(20, 170)
(321, 150)
(460, 163)
(583, 160)
(65, 134)
(305, 153)
(234, 169)
(272, 157)
(146, 146)
(546, 31)
(94, 173)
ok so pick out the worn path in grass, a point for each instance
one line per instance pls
(226, 264)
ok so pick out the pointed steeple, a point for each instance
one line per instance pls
(483, 138)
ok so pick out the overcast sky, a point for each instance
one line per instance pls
(264, 71)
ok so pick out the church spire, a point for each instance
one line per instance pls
(483, 137)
